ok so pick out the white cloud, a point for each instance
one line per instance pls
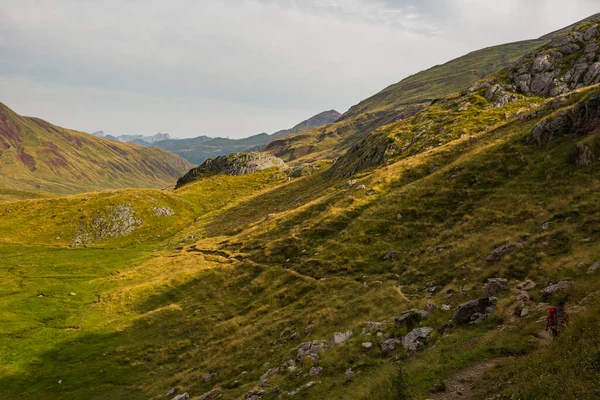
(238, 67)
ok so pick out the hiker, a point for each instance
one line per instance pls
(557, 319)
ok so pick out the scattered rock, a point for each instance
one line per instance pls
(391, 256)
(474, 311)
(270, 372)
(446, 307)
(361, 187)
(590, 298)
(311, 349)
(412, 342)
(522, 296)
(390, 344)
(349, 373)
(410, 315)
(373, 325)
(398, 217)
(208, 376)
(526, 285)
(351, 183)
(524, 312)
(370, 192)
(213, 394)
(184, 396)
(340, 337)
(367, 345)
(315, 371)
(163, 211)
(430, 307)
(494, 287)
(171, 392)
(584, 156)
(594, 267)
(72, 294)
(254, 395)
(550, 290)
(500, 252)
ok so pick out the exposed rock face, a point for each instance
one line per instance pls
(550, 290)
(567, 63)
(584, 156)
(120, 220)
(474, 311)
(233, 164)
(580, 120)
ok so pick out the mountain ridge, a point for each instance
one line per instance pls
(37, 155)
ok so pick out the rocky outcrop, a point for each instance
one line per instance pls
(340, 337)
(580, 120)
(567, 63)
(233, 164)
(120, 220)
(213, 394)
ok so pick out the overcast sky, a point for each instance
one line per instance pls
(238, 67)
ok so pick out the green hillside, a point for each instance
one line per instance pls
(399, 101)
(38, 156)
(420, 265)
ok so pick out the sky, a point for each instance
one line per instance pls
(235, 68)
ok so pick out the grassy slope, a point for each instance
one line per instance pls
(225, 290)
(38, 156)
(401, 100)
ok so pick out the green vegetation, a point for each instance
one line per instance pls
(214, 286)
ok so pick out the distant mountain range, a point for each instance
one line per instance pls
(201, 148)
(137, 139)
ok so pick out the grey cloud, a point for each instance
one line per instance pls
(268, 61)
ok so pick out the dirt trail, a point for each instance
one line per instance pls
(460, 386)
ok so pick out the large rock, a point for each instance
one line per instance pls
(594, 267)
(575, 122)
(414, 340)
(184, 396)
(494, 286)
(473, 311)
(232, 164)
(550, 290)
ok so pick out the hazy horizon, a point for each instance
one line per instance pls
(240, 67)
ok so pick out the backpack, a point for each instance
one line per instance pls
(551, 316)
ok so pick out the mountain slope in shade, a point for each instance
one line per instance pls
(199, 149)
(36, 155)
